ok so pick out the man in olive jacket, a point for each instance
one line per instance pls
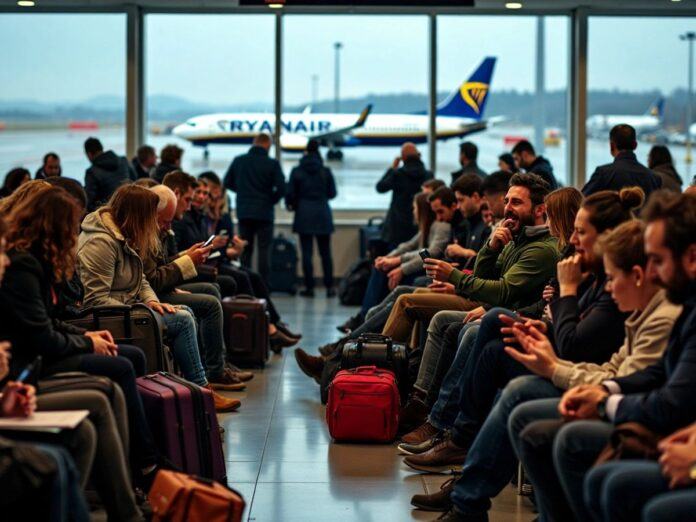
(259, 183)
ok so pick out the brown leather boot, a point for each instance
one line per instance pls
(242, 375)
(226, 382)
(442, 458)
(413, 413)
(420, 434)
(223, 404)
(438, 501)
(310, 365)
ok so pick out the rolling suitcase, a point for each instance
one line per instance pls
(363, 405)
(246, 330)
(184, 424)
(130, 324)
(283, 276)
(378, 350)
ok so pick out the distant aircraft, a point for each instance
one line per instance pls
(599, 125)
(459, 115)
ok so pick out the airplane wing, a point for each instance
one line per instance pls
(339, 134)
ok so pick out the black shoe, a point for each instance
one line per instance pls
(454, 515)
(279, 341)
(307, 293)
(438, 501)
(330, 292)
(413, 414)
(281, 326)
(351, 324)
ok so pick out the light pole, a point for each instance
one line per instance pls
(689, 37)
(337, 75)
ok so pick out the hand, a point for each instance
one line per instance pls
(219, 242)
(438, 270)
(200, 255)
(5, 357)
(683, 436)
(537, 355)
(379, 261)
(18, 400)
(239, 243)
(676, 462)
(389, 263)
(103, 343)
(161, 308)
(455, 250)
(475, 314)
(192, 248)
(181, 291)
(442, 288)
(581, 402)
(395, 276)
(506, 329)
(548, 294)
(232, 252)
(501, 236)
(396, 163)
(569, 273)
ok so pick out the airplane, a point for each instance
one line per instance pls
(599, 125)
(460, 114)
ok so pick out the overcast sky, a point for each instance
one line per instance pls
(226, 59)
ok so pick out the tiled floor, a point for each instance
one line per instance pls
(280, 457)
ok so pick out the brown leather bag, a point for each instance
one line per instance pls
(177, 497)
(630, 441)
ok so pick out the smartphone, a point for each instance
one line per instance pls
(214, 255)
(223, 232)
(424, 254)
(26, 372)
(209, 241)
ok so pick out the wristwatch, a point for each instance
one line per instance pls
(602, 408)
(692, 472)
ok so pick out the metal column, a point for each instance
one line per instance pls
(278, 82)
(539, 105)
(432, 95)
(577, 99)
(135, 80)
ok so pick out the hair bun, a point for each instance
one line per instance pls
(631, 197)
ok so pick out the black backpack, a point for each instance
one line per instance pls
(353, 286)
(283, 277)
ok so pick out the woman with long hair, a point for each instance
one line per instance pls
(660, 162)
(113, 242)
(13, 180)
(24, 192)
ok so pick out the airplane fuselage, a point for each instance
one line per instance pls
(602, 123)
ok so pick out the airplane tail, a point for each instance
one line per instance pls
(469, 100)
(657, 108)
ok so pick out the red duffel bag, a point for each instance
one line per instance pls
(363, 405)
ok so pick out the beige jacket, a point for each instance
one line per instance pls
(110, 270)
(647, 334)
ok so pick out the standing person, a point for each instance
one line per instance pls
(660, 162)
(144, 161)
(506, 163)
(13, 180)
(259, 183)
(170, 160)
(526, 158)
(625, 170)
(107, 173)
(404, 182)
(468, 154)
(50, 167)
(310, 188)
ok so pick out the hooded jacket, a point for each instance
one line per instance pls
(310, 188)
(110, 270)
(107, 173)
(404, 183)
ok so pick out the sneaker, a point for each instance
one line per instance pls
(422, 447)
(442, 458)
(310, 365)
(223, 404)
(242, 375)
(412, 415)
(422, 433)
(351, 324)
(307, 293)
(279, 341)
(226, 382)
(280, 325)
(438, 501)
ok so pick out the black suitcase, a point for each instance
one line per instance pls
(378, 350)
(245, 321)
(130, 324)
(283, 276)
(371, 243)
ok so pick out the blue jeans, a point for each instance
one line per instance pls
(491, 461)
(67, 502)
(378, 289)
(204, 300)
(181, 328)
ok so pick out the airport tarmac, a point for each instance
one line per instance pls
(355, 176)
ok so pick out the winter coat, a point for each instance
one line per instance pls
(107, 173)
(404, 183)
(542, 167)
(471, 168)
(670, 179)
(161, 170)
(310, 188)
(624, 171)
(110, 270)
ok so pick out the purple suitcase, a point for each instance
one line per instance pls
(184, 424)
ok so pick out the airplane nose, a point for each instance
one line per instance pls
(180, 130)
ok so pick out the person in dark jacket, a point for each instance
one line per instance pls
(50, 167)
(107, 173)
(526, 158)
(13, 180)
(310, 188)
(170, 160)
(144, 161)
(660, 162)
(625, 170)
(468, 154)
(404, 182)
(473, 232)
(259, 183)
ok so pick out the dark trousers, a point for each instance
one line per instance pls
(250, 229)
(324, 245)
(123, 369)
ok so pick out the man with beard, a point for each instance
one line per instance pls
(660, 397)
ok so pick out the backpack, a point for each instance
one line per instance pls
(353, 286)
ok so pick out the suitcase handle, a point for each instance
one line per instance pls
(369, 338)
(245, 297)
(105, 310)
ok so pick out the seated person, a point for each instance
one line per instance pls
(474, 234)
(113, 242)
(660, 397)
